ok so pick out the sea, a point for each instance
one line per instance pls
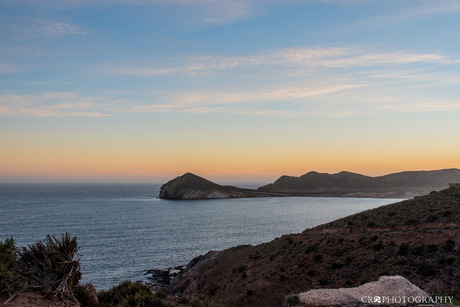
(123, 230)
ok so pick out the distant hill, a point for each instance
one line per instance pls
(418, 239)
(397, 185)
(190, 186)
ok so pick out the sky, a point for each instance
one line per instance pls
(234, 90)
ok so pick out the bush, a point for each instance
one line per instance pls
(426, 269)
(8, 266)
(318, 258)
(125, 294)
(195, 302)
(86, 295)
(52, 265)
(311, 247)
(292, 300)
(403, 249)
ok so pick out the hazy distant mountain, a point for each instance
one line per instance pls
(403, 184)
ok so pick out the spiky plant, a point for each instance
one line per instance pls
(52, 265)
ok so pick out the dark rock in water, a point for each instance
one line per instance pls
(191, 186)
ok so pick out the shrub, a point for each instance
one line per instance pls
(378, 246)
(8, 266)
(311, 247)
(431, 248)
(431, 218)
(125, 294)
(292, 300)
(195, 302)
(449, 245)
(86, 295)
(52, 265)
(336, 266)
(411, 222)
(418, 250)
(446, 213)
(403, 249)
(426, 269)
(437, 287)
(318, 258)
(242, 268)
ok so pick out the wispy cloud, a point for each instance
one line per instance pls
(21, 27)
(409, 11)
(346, 57)
(52, 104)
(6, 68)
(198, 11)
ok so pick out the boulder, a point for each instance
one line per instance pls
(388, 290)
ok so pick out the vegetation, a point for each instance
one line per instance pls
(52, 266)
(292, 300)
(129, 293)
(8, 265)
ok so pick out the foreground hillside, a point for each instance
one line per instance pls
(418, 239)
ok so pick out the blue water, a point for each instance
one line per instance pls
(124, 230)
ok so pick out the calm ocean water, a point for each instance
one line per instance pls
(124, 230)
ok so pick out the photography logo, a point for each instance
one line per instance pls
(384, 300)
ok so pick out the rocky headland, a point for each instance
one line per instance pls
(190, 186)
(418, 239)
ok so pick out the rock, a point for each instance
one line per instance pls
(388, 290)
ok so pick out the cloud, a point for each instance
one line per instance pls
(52, 104)
(345, 57)
(56, 29)
(196, 11)
(6, 68)
(17, 27)
(409, 11)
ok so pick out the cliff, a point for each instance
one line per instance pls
(190, 186)
(418, 239)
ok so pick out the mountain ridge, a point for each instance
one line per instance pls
(396, 185)
(404, 184)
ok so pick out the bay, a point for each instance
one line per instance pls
(124, 229)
